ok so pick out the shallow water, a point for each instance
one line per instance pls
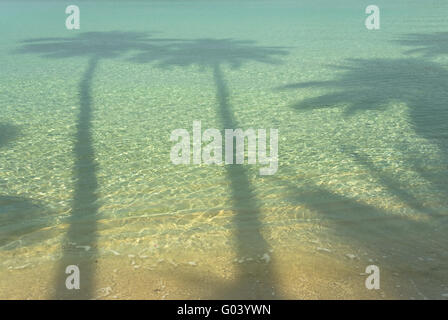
(85, 169)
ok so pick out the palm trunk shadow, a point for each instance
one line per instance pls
(255, 278)
(80, 243)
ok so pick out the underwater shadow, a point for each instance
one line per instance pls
(80, 244)
(374, 84)
(428, 45)
(254, 279)
(19, 216)
(397, 241)
(8, 133)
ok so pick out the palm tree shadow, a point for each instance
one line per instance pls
(427, 45)
(8, 133)
(374, 84)
(398, 238)
(254, 279)
(392, 181)
(19, 216)
(80, 245)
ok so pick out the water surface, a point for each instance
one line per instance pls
(86, 177)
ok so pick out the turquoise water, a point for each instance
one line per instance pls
(85, 169)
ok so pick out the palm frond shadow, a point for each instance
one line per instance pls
(8, 133)
(80, 246)
(427, 45)
(210, 55)
(374, 84)
(19, 216)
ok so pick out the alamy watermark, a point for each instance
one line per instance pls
(207, 147)
(72, 22)
(373, 280)
(72, 281)
(373, 20)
